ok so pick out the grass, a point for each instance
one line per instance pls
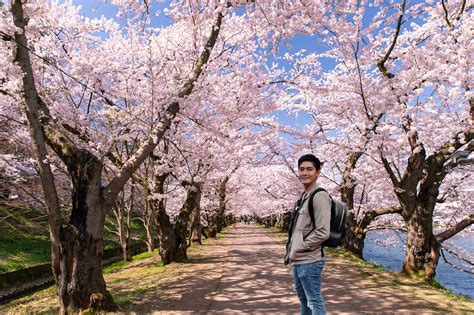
(18, 252)
(124, 280)
(122, 301)
(439, 286)
(345, 254)
(24, 237)
(24, 240)
(116, 266)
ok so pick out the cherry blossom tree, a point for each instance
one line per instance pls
(435, 127)
(49, 82)
(390, 91)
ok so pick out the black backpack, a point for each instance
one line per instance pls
(338, 220)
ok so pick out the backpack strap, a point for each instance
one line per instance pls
(311, 206)
(311, 210)
(293, 216)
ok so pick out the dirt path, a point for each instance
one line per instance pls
(242, 272)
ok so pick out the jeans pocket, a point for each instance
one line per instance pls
(316, 269)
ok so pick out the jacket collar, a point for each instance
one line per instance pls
(305, 195)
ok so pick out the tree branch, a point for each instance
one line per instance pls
(31, 104)
(388, 168)
(446, 15)
(453, 230)
(381, 62)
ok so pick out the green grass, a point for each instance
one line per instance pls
(345, 254)
(116, 266)
(458, 296)
(24, 238)
(17, 252)
(122, 300)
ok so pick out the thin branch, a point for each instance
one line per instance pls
(455, 229)
(454, 266)
(381, 62)
(457, 255)
(388, 168)
(446, 15)
(461, 11)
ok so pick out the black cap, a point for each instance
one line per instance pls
(310, 158)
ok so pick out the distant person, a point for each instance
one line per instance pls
(304, 252)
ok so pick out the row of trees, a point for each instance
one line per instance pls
(393, 119)
(176, 123)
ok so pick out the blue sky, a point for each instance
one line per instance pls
(97, 8)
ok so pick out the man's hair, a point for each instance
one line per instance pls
(311, 158)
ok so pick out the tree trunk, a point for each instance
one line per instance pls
(81, 284)
(355, 236)
(123, 213)
(149, 214)
(181, 225)
(196, 216)
(150, 244)
(30, 98)
(355, 233)
(220, 217)
(422, 249)
(163, 224)
(122, 218)
(173, 243)
(166, 237)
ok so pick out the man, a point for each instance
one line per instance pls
(304, 252)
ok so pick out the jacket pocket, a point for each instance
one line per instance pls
(306, 234)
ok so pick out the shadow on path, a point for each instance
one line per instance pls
(243, 272)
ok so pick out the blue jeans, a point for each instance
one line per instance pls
(307, 279)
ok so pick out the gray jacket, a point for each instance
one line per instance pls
(305, 243)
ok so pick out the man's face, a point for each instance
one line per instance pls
(308, 173)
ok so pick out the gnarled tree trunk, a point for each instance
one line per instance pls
(164, 227)
(193, 196)
(422, 249)
(417, 191)
(81, 284)
(355, 236)
(173, 237)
